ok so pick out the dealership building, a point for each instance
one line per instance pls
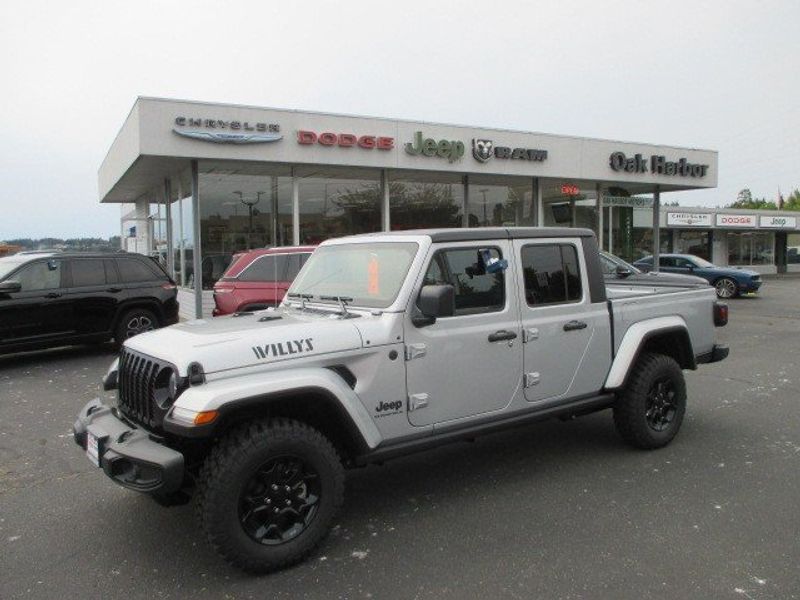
(200, 181)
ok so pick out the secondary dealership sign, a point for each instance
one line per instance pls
(345, 140)
(220, 131)
(736, 221)
(778, 222)
(689, 219)
(656, 164)
(483, 150)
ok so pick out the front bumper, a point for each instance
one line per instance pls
(128, 455)
(749, 287)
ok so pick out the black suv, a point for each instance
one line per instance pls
(55, 299)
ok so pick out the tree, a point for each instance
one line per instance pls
(744, 199)
(792, 202)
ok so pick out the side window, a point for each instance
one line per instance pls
(608, 265)
(45, 275)
(87, 272)
(111, 271)
(666, 261)
(551, 274)
(295, 263)
(475, 290)
(683, 263)
(134, 271)
(265, 268)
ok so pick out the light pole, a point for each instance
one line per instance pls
(249, 206)
(483, 191)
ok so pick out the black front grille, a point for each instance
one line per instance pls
(136, 394)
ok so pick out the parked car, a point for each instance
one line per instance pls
(258, 279)
(388, 344)
(616, 270)
(728, 281)
(57, 299)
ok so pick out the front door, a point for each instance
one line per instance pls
(470, 363)
(559, 322)
(39, 311)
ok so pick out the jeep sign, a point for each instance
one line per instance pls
(778, 222)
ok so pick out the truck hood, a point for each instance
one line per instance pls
(255, 338)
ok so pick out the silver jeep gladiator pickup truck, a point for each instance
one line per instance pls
(387, 344)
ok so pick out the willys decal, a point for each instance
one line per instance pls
(284, 348)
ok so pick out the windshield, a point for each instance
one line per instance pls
(7, 265)
(702, 262)
(609, 262)
(368, 275)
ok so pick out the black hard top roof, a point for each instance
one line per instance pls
(492, 233)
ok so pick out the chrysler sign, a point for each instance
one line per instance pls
(689, 219)
(219, 131)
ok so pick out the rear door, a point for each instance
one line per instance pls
(262, 282)
(559, 321)
(95, 293)
(470, 363)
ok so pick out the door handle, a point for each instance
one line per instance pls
(114, 290)
(499, 336)
(53, 295)
(574, 325)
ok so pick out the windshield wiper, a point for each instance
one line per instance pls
(303, 298)
(342, 300)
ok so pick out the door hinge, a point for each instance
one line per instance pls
(531, 379)
(531, 333)
(415, 351)
(417, 401)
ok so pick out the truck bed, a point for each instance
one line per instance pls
(629, 304)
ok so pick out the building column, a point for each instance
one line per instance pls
(197, 263)
(599, 208)
(656, 227)
(386, 222)
(537, 193)
(611, 229)
(170, 242)
(465, 207)
(295, 209)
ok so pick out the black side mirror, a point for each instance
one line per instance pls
(10, 287)
(622, 271)
(435, 301)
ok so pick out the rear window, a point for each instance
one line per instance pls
(274, 268)
(133, 271)
(88, 272)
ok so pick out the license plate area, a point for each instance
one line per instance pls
(93, 448)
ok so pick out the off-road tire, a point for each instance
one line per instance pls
(631, 406)
(121, 333)
(232, 464)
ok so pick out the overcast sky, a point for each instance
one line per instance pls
(720, 75)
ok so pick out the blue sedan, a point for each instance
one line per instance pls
(729, 282)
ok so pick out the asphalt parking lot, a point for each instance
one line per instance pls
(554, 510)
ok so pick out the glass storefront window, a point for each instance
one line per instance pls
(332, 207)
(421, 202)
(497, 205)
(181, 214)
(239, 212)
(793, 248)
(692, 242)
(751, 248)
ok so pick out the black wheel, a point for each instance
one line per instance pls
(268, 492)
(134, 322)
(648, 413)
(726, 288)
